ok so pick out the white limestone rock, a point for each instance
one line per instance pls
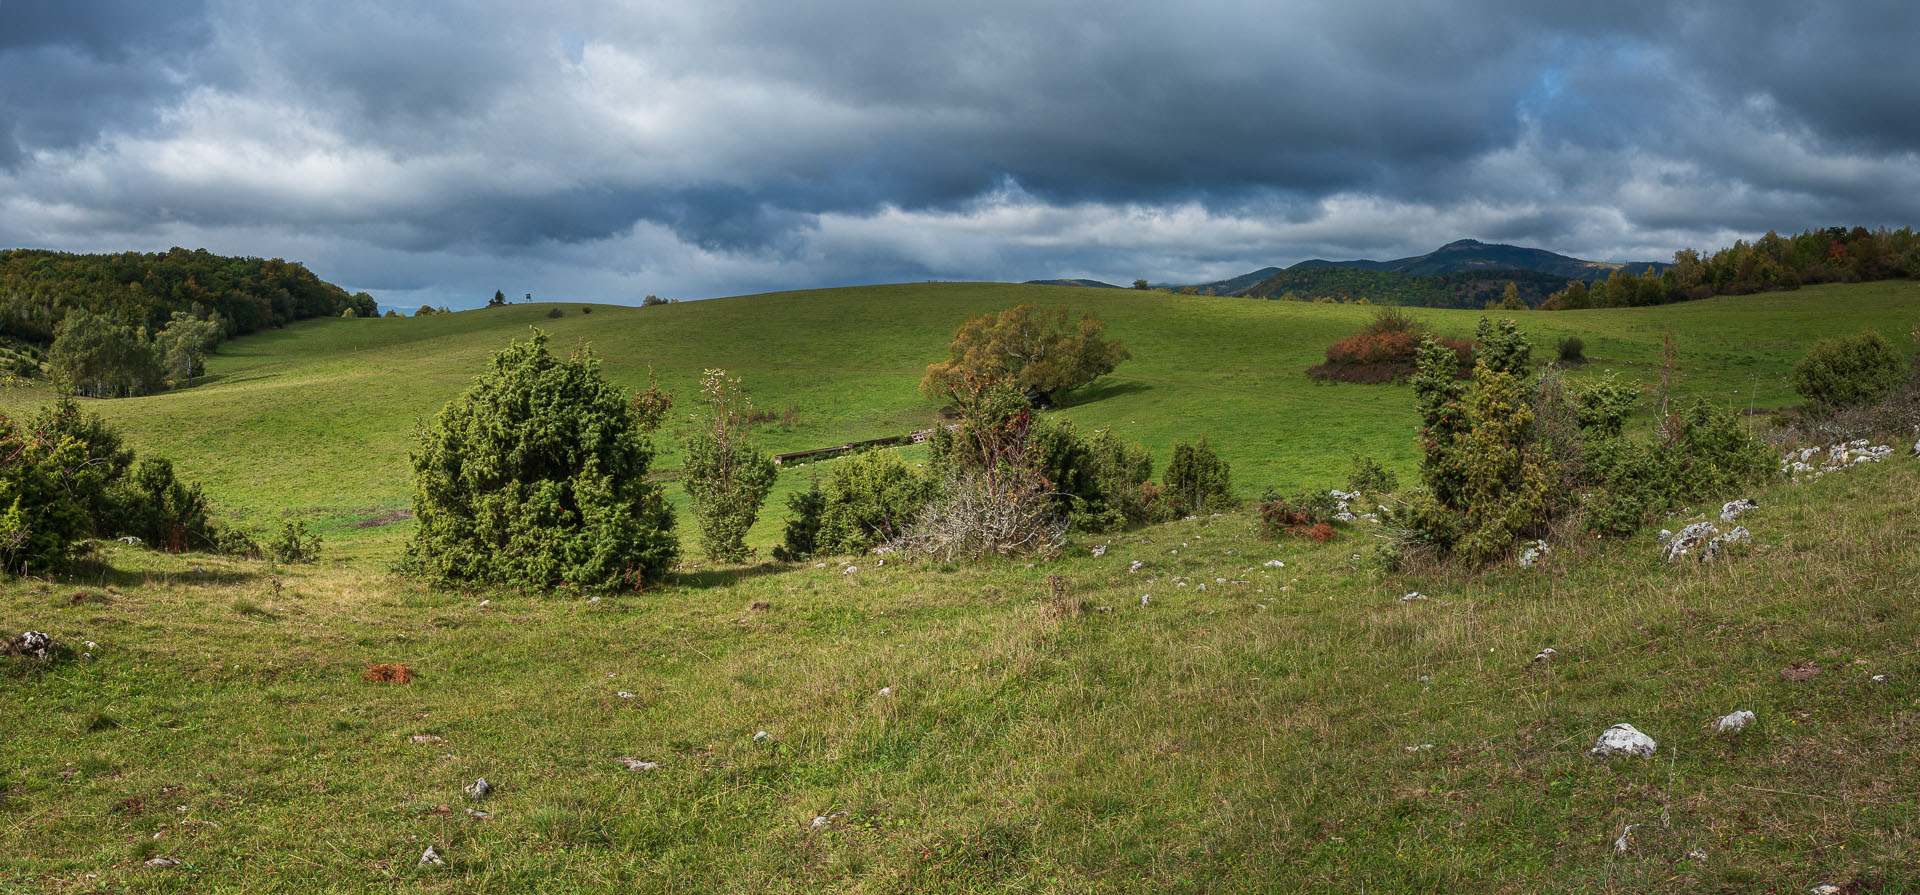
(1690, 539)
(1733, 723)
(1623, 739)
(1734, 508)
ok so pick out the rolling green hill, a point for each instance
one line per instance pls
(315, 418)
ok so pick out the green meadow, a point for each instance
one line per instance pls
(315, 420)
(1212, 722)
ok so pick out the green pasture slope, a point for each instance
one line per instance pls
(315, 419)
(1294, 729)
(971, 729)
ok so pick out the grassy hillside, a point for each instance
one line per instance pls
(954, 732)
(315, 418)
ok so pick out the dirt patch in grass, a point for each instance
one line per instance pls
(385, 518)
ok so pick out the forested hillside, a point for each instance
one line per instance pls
(1465, 289)
(38, 288)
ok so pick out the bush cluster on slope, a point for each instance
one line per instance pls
(65, 477)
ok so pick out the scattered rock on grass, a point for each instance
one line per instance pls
(163, 863)
(1625, 841)
(1698, 854)
(1274, 564)
(1691, 538)
(1135, 566)
(1099, 550)
(431, 857)
(478, 815)
(1546, 654)
(478, 789)
(625, 695)
(1879, 679)
(33, 644)
(1623, 739)
(762, 737)
(425, 739)
(1733, 723)
(1416, 595)
(1734, 508)
(1533, 554)
(1720, 543)
(635, 764)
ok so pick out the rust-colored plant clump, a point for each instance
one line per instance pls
(390, 673)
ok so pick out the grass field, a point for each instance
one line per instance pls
(1246, 728)
(316, 419)
(1265, 734)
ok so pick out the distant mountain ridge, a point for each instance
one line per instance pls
(1091, 284)
(1470, 268)
(1467, 255)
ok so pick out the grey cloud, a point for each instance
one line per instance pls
(738, 144)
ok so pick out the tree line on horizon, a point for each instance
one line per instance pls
(1768, 264)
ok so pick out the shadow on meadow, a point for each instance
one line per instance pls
(727, 577)
(1103, 388)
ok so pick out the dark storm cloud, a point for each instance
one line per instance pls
(743, 144)
(73, 70)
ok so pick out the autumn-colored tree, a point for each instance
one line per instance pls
(1036, 349)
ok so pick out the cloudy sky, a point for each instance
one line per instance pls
(436, 150)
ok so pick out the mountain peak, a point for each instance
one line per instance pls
(1463, 244)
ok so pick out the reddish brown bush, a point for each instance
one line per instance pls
(1377, 357)
(1301, 515)
(391, 673)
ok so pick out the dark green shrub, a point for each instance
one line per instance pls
(586, 309)
(1120, 470)
(41, 521)
(1573, 351)
(870, 499)
(1848, 371)
(1368, 476)
(1602, 404)
(103, 461)
(236, 543)
(1197, 480)
(294, 543)
(555, 313)
(802, 536)
(1490, 483)
(1503, 348)
(536, 476)
(167, 513)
